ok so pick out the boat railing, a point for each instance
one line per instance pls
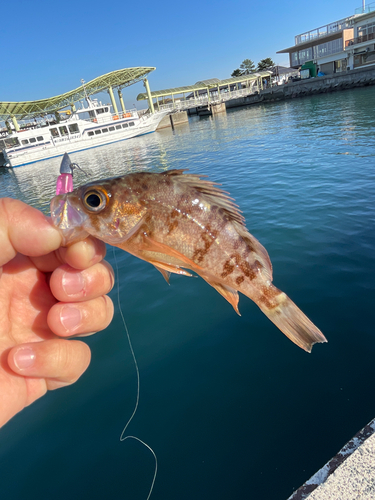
(132, 113)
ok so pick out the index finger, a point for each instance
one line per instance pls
(26, 230)
(79, 255)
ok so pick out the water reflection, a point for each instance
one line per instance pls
(300, 172)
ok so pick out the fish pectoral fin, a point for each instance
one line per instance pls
(230, 294)
(150, 245)
(167, 269)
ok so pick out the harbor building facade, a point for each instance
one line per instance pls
(336, 47)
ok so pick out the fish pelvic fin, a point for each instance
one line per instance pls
(167, 269)
(293, 323)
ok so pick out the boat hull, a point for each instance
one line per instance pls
(81, 142)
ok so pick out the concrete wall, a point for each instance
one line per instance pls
(173, 119)
(180, 117)
(218, 108)
(339, 81)
(165, 122)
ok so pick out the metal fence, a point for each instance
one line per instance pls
(204, 100)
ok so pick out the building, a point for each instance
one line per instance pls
(336, 47)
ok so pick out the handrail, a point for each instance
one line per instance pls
(360, 39)
(204, 100)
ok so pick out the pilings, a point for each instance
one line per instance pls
(173, 119)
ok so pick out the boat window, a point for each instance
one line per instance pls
(25, 141)
(98, 132)
(91, 133)
(63, 130)
(73, 128)
(104, 130)
(111, 129)
(12, 142)
(54, 132)
(106, 110)
(131, 124)
(33, 139)
(92, 114)
(118, 126)
(40, 138)
(99, 111)
(125, 125)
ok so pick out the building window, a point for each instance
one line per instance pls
(340, 66)
(367, 29)
(295, 59)
(325, 49)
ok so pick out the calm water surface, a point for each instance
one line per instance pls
(231, 407)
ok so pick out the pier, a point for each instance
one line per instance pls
(207, 96)
(215, 96)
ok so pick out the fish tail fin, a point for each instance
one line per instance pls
(293, 323)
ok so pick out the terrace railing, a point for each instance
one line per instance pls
(360, 39)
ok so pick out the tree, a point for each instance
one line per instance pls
(265, 64)
(236, 72)
(247, 66)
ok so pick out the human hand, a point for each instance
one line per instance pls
(47, 293)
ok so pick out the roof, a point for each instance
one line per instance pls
(116, 79)
(210, 81)
(311, 43)
(205, 84)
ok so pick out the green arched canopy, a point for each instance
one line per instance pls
(116, 79)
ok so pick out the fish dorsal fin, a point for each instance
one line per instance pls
(217, 196)
(258, 248)
(211, 193)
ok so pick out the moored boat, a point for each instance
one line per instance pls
(91, 126)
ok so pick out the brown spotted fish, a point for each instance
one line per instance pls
(180, 222)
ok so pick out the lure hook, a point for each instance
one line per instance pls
(64, 182)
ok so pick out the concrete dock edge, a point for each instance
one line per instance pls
(349, 475)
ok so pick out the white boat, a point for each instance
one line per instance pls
(91, 126)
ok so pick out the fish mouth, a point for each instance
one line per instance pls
(68, 219)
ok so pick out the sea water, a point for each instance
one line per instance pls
(230, 406)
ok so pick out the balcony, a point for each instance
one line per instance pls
(360, 39)
(326, 30)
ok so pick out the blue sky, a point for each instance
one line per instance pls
(47, 46)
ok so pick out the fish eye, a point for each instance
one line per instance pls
(95, 200)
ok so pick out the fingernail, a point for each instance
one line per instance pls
(24, 358)
(72, 283)
(70, 317)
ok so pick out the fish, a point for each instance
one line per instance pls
(182, 223)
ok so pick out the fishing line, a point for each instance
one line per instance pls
(122, 436)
